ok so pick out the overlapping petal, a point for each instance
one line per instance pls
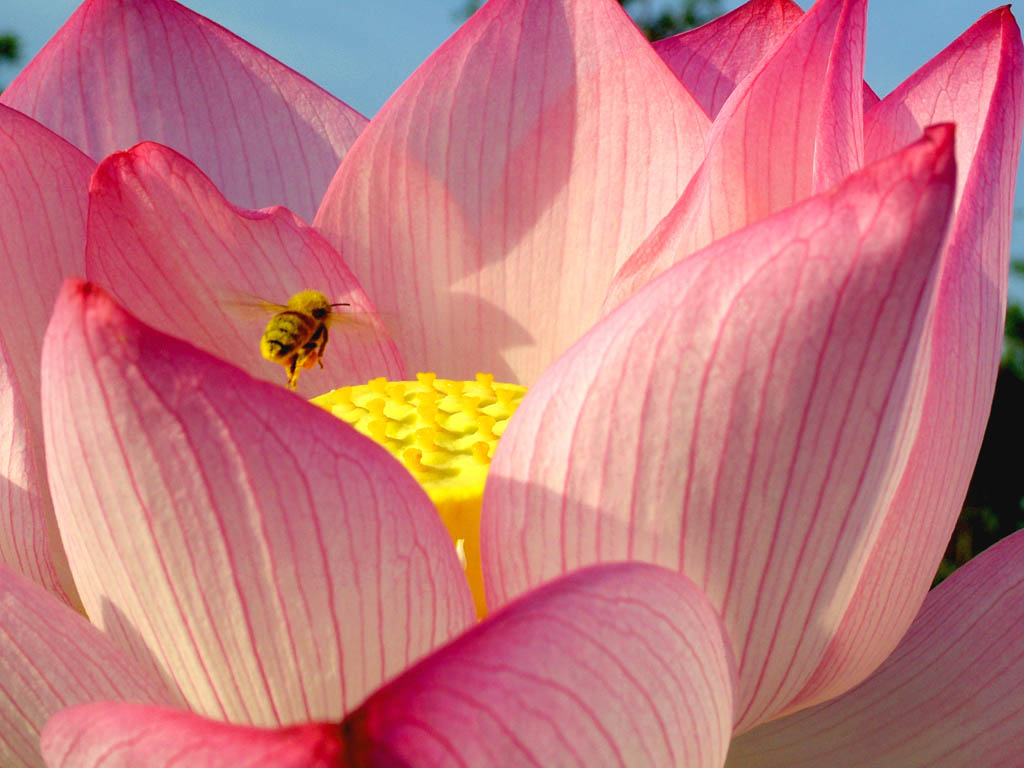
(124, 71)
(496, 193)
(184, 260)
(115, 735)
(743, 420)
(561, 677)
(272, 562)
(712, 59)
(43, 202)
(24, 503)
(787, 417)
(623, 664)
(793, 128)
(978, 81)
(52, 659)
(43, 182)
(952, 693)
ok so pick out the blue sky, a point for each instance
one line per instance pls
(361, 51)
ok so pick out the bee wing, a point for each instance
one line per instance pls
(354, 320)
(248, 307)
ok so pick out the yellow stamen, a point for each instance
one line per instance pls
(445, 433)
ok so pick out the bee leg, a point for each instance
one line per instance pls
(293, 373)
(309, 350)
(323, 346)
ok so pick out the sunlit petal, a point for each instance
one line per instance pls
(791, 129)
(115, 735)
(271, 560)
(25, 542)
(496, 193)
(743, 420)
(712, 59)
(561, 677)
(623, 664)
(979, 83)
(53, 658)
(124, 71)
(182, 258)
(43, 182)
(951, 694)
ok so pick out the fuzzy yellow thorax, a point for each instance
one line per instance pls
(445, 433)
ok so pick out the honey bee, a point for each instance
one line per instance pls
(296, 335)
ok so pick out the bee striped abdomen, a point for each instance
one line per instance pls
(286, 333)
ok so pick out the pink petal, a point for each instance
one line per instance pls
(971, 81)
(53, 658)
(791, 129)
(616, 665)
(123, 71)
(978, 82)
(562, 677)
(870, 98)
(951, 694)
(711, 59)
(115, 735)
(494, 196)
(275, 563)
(176, 253)
(43, 182)
(743, 419)
(25, 510)
(43, 202)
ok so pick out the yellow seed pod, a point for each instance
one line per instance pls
(444, 432)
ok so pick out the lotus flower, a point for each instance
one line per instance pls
(759, 311)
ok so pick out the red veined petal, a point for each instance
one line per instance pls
(951, 694)
(712, 59)
(25, 513)
(616, 665)
(43, 182)
(495, 194)
(622, 664)
(271, 560)
(53, 658)
(793, 128)
(177, 254)
(123, 71)
(743, 419)
(978, 82)
(116, 735)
